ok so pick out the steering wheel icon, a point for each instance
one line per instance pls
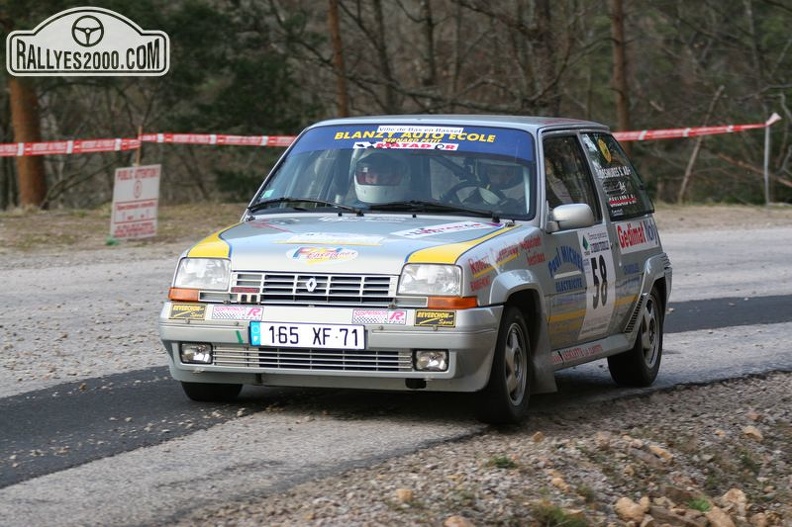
(87, 31)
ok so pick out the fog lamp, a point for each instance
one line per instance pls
(431, 360)
(195, 353)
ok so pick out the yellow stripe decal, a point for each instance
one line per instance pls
(211, 247)
(448, 254)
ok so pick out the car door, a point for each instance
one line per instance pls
(580, 261)
(628, 215)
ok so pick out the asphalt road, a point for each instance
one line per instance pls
(128, 448)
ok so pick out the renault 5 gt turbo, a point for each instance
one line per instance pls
(451, 253)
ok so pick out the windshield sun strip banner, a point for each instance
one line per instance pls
(473, 139)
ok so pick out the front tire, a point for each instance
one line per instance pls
(639, 365)
(211, 393)
(505, 398)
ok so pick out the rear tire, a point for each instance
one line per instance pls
(639, 365)
(505, 398)
(211, 393)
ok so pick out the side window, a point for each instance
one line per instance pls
(626, 193)
(567, 175)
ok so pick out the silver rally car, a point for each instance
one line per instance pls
(445, 253)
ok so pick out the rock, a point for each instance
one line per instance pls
(628, 510)
(752, 432)
(457, 521)
(753, 415)
(404, 495)
(679, 495)
(661, 452)
(759, 520)
(736, 500)
(538, 437)
(664, 516)
(560, 484)
(718, 518)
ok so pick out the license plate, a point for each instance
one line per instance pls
(300, 335)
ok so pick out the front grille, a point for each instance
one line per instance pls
(313, 359)
(336, 289)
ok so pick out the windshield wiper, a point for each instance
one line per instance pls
(265, 204)
(428, 206)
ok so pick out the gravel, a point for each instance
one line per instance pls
(693, 455)
(690, 456)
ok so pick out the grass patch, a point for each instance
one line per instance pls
(502, 461)
(548, 515)
(700, 504)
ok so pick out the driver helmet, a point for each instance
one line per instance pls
(501, 176)
(380, 178)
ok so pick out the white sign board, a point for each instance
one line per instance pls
(135, 200)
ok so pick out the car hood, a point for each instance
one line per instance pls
(373, 244)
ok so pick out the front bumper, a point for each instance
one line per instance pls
(385, 363)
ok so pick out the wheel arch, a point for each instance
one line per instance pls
(529, 301)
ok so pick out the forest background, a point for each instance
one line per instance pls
(271, 67)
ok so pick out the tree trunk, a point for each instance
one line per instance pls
(27, 128)
(381, 43)
(620, 67)
(338, 60)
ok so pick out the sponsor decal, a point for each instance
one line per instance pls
(236, 313)
(480, 269)
(366, 219)
(507, 254)
(571, 284)
(415, 134)
(600, 282)
(637, 235)
(460, 226)
(406, 145)
(575, 353)
(419, 129)
(188, 311)
(379, 316)
(87, 41)
(334, 238)
(565, 255)
(614, 172)
(606, 153)
(322, 255)
(435, 318)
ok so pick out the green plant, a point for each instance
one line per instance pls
(587, 493)
(502, 461)
(548, 515)
(700, 504)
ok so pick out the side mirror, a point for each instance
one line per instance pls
(572, 216)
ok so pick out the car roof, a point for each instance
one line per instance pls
(529, 123)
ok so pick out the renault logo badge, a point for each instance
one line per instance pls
(310, 284)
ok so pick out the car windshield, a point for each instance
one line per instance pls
(468, 170)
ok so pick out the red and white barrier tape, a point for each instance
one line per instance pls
(85, 146)
(77, 146)
(220, 139)
(677, 133)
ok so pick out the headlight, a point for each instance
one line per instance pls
(430, 279)
(203, 273)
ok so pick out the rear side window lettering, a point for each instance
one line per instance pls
(625, 191)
